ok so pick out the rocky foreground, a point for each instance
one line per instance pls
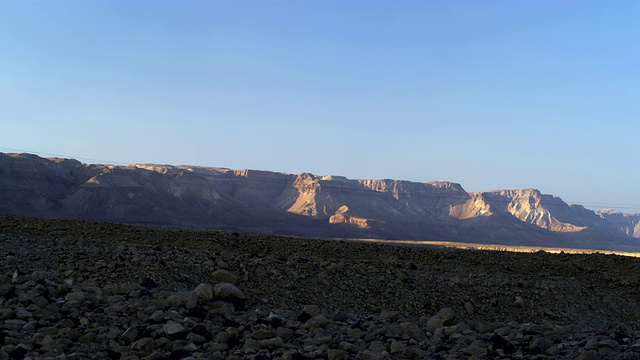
(76, 290)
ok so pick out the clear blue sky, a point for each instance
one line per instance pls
(489, 94)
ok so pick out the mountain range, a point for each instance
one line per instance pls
(303, 204)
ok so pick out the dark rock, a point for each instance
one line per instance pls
(130, 335)
(237, 302)
(197, 312)
(275, 322)
(147, 332)
(304, 317)
(9, 294)
(113, 355)
(500, 343)
(18, 353)
(202, 331)
(226, 322)
(441, 348)
(175, 331)
(263, 357)
(148, 283)
(179, 354)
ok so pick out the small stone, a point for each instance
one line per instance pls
(144, 345)
(447, 315)
(175, 330)
(251, 346)
(218, 346)
(161, 342)
(223, 337)
(311, 309)
(401, 275)
(474, 350)
(605, 351)
(413, 353)
(6, 314)
(434, 323)
(196, 339)
(550, 313)
(113, 333)
(75, 296)
(369, 355)
(66, 323)
(355, 333)
(390, 315)
(335, 354)
(41, 302)
(190, 347)
(23, 314)
(539, 346)
(323, 340)
(225, 276)
(285, 333)
(148, 283)
(156, 317)
(86, 338)
(52, 349)
(468, 307)
(484, 328)
(68, 333)
(198, 312)
(607, 343)
(189, 299)
(262, 334)
(204, 292)
(130, 335)
(115, 299)
(47, 340)
(304, 317)
(553, 350)
(40, 275)
(397, 347)
(226, 291)
(156, 356)
(412, 330)
(500, 343)
(588, 355)
(274, 343)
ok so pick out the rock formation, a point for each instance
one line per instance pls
(302, 205)
(626, 223)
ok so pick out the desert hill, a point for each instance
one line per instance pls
(302, 204)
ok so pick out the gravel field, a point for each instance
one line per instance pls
(76, 290)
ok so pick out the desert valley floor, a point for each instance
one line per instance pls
(74, 290)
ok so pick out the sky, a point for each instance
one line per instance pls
(488, 94)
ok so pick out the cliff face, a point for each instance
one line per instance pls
(303, 204)
(544, 211)
(628, 224)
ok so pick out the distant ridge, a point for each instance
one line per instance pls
(303, 204)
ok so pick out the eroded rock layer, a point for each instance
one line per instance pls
(302, 204)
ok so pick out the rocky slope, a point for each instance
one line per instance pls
(302, 205)
(625, 223)
(77, 290)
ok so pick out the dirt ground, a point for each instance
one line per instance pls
(594, 290)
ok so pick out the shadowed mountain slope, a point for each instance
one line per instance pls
(302, 205)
